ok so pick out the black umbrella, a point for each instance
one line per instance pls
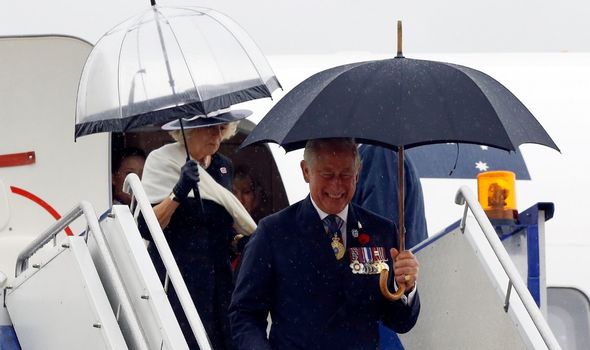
(401, 103)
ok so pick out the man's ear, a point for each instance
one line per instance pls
(305, 170)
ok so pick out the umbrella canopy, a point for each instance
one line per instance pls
(465, 161)
(401, 102)
(166, 63)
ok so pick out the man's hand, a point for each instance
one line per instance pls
(406, 268)
(189, 178)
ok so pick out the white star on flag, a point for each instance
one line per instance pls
(481, 166)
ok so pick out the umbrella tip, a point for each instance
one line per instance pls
(399, 40)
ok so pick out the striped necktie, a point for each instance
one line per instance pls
(333, 224)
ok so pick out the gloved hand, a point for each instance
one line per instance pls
(189, 178)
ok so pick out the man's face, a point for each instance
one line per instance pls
(332, 178)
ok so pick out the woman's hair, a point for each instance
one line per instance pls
(228, 132)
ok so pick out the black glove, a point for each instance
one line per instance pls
(189, 178)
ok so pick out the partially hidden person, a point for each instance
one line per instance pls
(377, 190)
(314, 266)
(129, 160)
(200, 242)
(250, 193)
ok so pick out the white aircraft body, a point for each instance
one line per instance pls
(76, 290)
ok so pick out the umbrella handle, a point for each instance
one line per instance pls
(384, 274)
(200, 210)
(383, 278)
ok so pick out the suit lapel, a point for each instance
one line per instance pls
(352, 227)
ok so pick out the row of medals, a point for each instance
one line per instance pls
(365, 260)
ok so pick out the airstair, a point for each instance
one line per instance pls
(472, 294)
(99, 290)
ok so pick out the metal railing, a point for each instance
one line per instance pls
(140, 201)
(84, 208)
(466, 197)
(93, 228)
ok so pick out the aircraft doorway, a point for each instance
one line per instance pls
(255, 161)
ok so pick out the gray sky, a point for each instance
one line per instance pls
(325, 26)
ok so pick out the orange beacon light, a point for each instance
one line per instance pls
(497, 195)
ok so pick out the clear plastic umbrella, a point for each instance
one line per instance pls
(166, 63)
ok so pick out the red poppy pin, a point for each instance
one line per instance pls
(364, 238)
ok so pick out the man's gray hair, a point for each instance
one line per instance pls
(312, 147)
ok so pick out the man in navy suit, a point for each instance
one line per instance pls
(314, 266)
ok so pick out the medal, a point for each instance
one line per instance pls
(355, 265)
(337, 247)
(367, 260)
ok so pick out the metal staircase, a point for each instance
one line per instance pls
(99, 290)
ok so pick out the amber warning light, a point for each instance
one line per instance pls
(497, 195)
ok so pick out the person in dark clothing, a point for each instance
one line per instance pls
(201, 244)
(314, 266)
(377, 190)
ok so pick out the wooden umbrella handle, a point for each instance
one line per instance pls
(383, 278)
(384, 274)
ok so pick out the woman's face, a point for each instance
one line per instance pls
(203, 142)
(244, 190)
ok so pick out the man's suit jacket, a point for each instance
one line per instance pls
(289, 269)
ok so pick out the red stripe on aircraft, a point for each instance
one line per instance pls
(42, 203)
(16, 159)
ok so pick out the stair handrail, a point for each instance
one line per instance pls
(133, 186)
(92, 228)
(83, 208)
(466, 197)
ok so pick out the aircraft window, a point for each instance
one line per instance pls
(569, 317)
